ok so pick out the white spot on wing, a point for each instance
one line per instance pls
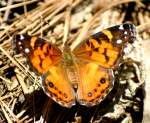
(125, 32)
(119, 41)
(121, 27)
(19, 43)
(125, 37)
(21, 47)
(21, 37)
(27, 50)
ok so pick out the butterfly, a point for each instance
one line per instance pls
(83, 75)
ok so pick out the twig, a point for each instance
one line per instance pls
(6, 15)
(67, 25)
(141, 28)
(17, 5)
(11, 94)
(6, 114)
(10, 112)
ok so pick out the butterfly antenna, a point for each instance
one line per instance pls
(67, 24)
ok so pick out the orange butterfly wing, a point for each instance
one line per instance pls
(46, 60)
(100, 54)
(57, 86)
(41, 54)
(106, 47)
(96, 83)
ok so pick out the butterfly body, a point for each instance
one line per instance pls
(70, 68)
(84, 74)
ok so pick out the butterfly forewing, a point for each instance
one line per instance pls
(41, 54)
(106, 47)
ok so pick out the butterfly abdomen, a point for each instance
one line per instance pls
(70, 68)
(73, 76)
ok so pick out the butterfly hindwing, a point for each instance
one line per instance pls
(106, 47)
(56, 86)
(96, 83)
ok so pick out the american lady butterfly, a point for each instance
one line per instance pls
(85, 74)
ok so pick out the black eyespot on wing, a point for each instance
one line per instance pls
(89, 94)
(50, 84)
(102, 80)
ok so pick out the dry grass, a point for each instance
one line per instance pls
(58, 21)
